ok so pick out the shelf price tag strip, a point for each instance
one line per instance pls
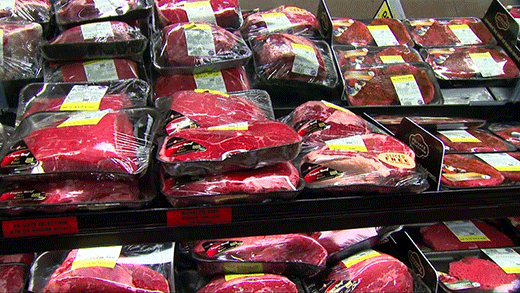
(39, 227)
(190, 217)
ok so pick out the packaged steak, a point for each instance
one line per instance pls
(224, 148)
(381, 32)
(19, 54)
(226, 80)
(472, 140)
(73, 12)
(98, 40)
(369, 271)
(224, 13)
(507, 163)
(33, 10)
(207, 108)
(352, 56)
(466, 171)
(288, 254)
(14, 277)
(129, 268)
(92, 71)
(115, 95)
(394, 84)
(94, 143)
(285, 57)
(192, 47)
(250, 283)
(282, 19)
(279, 181)
(363, 163)
(508, 131)
(462, 31)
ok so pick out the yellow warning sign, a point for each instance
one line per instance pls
(384, 11)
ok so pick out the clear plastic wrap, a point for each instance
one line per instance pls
(467, 171)
(430, 32)
(192, 47)
(28, 10)
(203, 108)
(376, 32)
(507, 163)
(224, 13)
(19, 54)
(363, 163)
(226, 80)
(279, 181)
(219, 149)
(431, 122)
(282, 19)
(396, 84)
(92, 71)
(285, 57)
(472, 140)
(352, 56)
(132, 268)
(508, 131)
(43, 97)
(99, 40)
(93, 143)
(466, 95)
(294, 254)
(250, 283)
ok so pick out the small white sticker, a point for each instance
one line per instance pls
(407, 89)
(97, 257)
(211, 81)
(200, 11)
(501, 161)
(111, 7)
(464, 33)
(506, 258)
(459, 136)
(466, 231)
(305, 60)
(100, 70)
(351, 143)
(199, 40)
(7, 4)
(97, 30)
(487, 66)
(84, 118)
(84, 98)
(383, 35)
(276, 22)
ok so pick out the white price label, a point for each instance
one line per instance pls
(383, 35)
(305, 60)
(199, 40)
(351, 143)
(501, 161)
(276, 22)
(84, 98)
(97, 257)
(211, 81)
(200, 11)
(97, 30)
(100, 70)
(487, 66)
(466, 231)
(506, 258)
(7, 4)
(464, 33)
(110, 7)
(407, 90)
(459, 136)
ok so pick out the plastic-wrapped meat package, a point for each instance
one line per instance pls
(322, 121)
(450, 32)
(465, 171)
(19, 55)
(488, 274)
(224, 13)
(396, 84)
(203, 108)
(472, 140)
(76, 11)
(28, 10)
(282, 19)
(91, 71)
(507, 163)
(271, 182)
(369, 162)
(378, 32)
(335, 241)
(348, 56)
(471, 63)
(370, 271)
(250, 283)
(509, 132)
(287, 253)
(219, 149)
(14, 272)
(226, 80)
(441, 238)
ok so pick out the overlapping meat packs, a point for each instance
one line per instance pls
(116, 31)
(357, 33)
(472, 140)
(464, 171)
(250, 283)
(69, 11)
(29, 10)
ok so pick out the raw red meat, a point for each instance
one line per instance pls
(20, 49)
(453, 63)
(321, 121)
(235, 79)
(512, 175)
(487, 143)
(75, 71)
(301, 22)
(372, 86)
(266, 283)
(352, 57)
(122, 278)
(26, 258)
(121, 30)
(377, 273)
(397, 28)
(13, 278)
(511, 134)
(515, 11)
(461, 171)
(68, 11)
(385, 163)
(29, 10)
(334, 241)
(488, 274)
(351, 32)
(226, 12)
(438, 237)
(275, 56)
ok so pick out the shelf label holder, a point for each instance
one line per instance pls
(39, 227)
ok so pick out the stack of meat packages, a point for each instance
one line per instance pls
(83, 137)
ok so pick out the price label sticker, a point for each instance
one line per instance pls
(407, 89)
(359, 257)
(465, 176)
(84, 118)
(352, 143)
(506, 258)
(111, 7)
(97, 30)
(229, 277)
(100, 70)
(199, 40)
(210, 80)
(305, 60)
(232, 126)
(334, 106)
(97, 257)
(459, 136)
(7, 4)
(501, 161)
(390, 59)
(276, 22)
(84, 98)
(466, 231)
(383, 35)
(464, 33)
(192, 217)
(200, 11)
(39, 227)
(487, 66)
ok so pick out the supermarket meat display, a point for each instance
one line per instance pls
(103, 70)
(357, 33)
(68, 11)
(29, 10)
(511, 133)
(473, 140)
(464, 171)
(250, 283)
(398, 29)
(488, 274)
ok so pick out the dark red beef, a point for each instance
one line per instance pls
(408, 55)
(511, 134)
(227, 12)
(487, 273)
(122, 32)
(81, 10)
(432, 32)
(26, 258)
(12, 278)
(250, 283)
(75, 71)
(463, 171)
(29, 10)
(487, 143)
(351, 32)
(397, 28)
